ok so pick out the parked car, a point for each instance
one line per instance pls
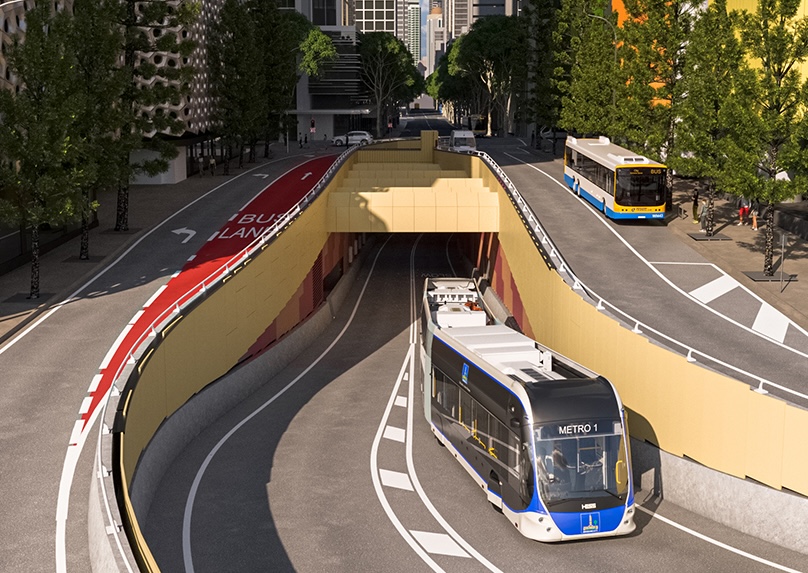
(353, 138)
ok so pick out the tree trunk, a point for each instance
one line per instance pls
(266, 144)
(240, 155)
(708, 228)
(122, 213)
(768, 253)
(84, 248)
(34, 262)
(23, 246)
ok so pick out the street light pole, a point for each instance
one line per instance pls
(614, 33)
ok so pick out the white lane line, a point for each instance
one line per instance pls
(213, 236)
(397, 480)
(395, 434)
(656, 271)
(153, 297)
(410, 413)
(114, 348)
(714, 289)
(716, 542)
(377, 486)
(771, 322)
(401, 401)
(439, 543)
(189, 503)
(85, 405)
(74, 451)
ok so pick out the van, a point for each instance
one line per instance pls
(462, 140)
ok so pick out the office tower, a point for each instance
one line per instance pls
(435, 43)
(413, 41)
(375, 15)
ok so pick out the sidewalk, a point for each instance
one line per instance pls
(62, 272)
(744, 251)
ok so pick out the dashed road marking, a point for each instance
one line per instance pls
(398, 480)
(401, 401)
(714, 289)
(771, 322)
(395, 434)
(438, 544)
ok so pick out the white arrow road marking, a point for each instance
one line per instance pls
(185, 231)
(305, 176)
(261, 175)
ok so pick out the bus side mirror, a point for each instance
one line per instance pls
(515, 423)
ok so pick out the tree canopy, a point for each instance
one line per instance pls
(41, 171)
(389, 73)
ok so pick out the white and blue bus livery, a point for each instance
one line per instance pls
(545, 437)
(618, 182)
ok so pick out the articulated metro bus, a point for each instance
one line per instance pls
(544, 437)
(618, 182)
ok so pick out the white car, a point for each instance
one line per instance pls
(352, 138)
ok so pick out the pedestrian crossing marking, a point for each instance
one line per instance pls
(771, 322)
(397, 480)
(714, 289)
(438, 544)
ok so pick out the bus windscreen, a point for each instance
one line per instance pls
(581, 461)
(640, 186)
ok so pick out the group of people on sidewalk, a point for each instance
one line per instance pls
(747, 210)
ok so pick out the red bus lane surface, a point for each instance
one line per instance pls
(243, 228)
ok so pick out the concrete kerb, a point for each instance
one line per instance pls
(757, 510)
(224, 394)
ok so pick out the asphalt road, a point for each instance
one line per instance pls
(46, 375)
(296, 488)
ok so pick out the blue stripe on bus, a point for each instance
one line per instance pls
(570, 181)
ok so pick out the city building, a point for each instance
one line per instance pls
(435, 39)
(413, 39)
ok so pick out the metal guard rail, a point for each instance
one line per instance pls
(535, 228)
(532, 224)
(189, 298)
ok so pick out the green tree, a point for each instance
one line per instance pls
(387, 71)
(458, 91)
(777, 39)
(291, 45)
(589, 100)
(494, 52)
(150, 27)
(547, 26)
(235, 61)
(652, 55)
(39, 141)
(101, 83)
(719, 122)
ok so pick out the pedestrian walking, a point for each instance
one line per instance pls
(755, 212)
(743, 210)
(702, 216)
(695, 205)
